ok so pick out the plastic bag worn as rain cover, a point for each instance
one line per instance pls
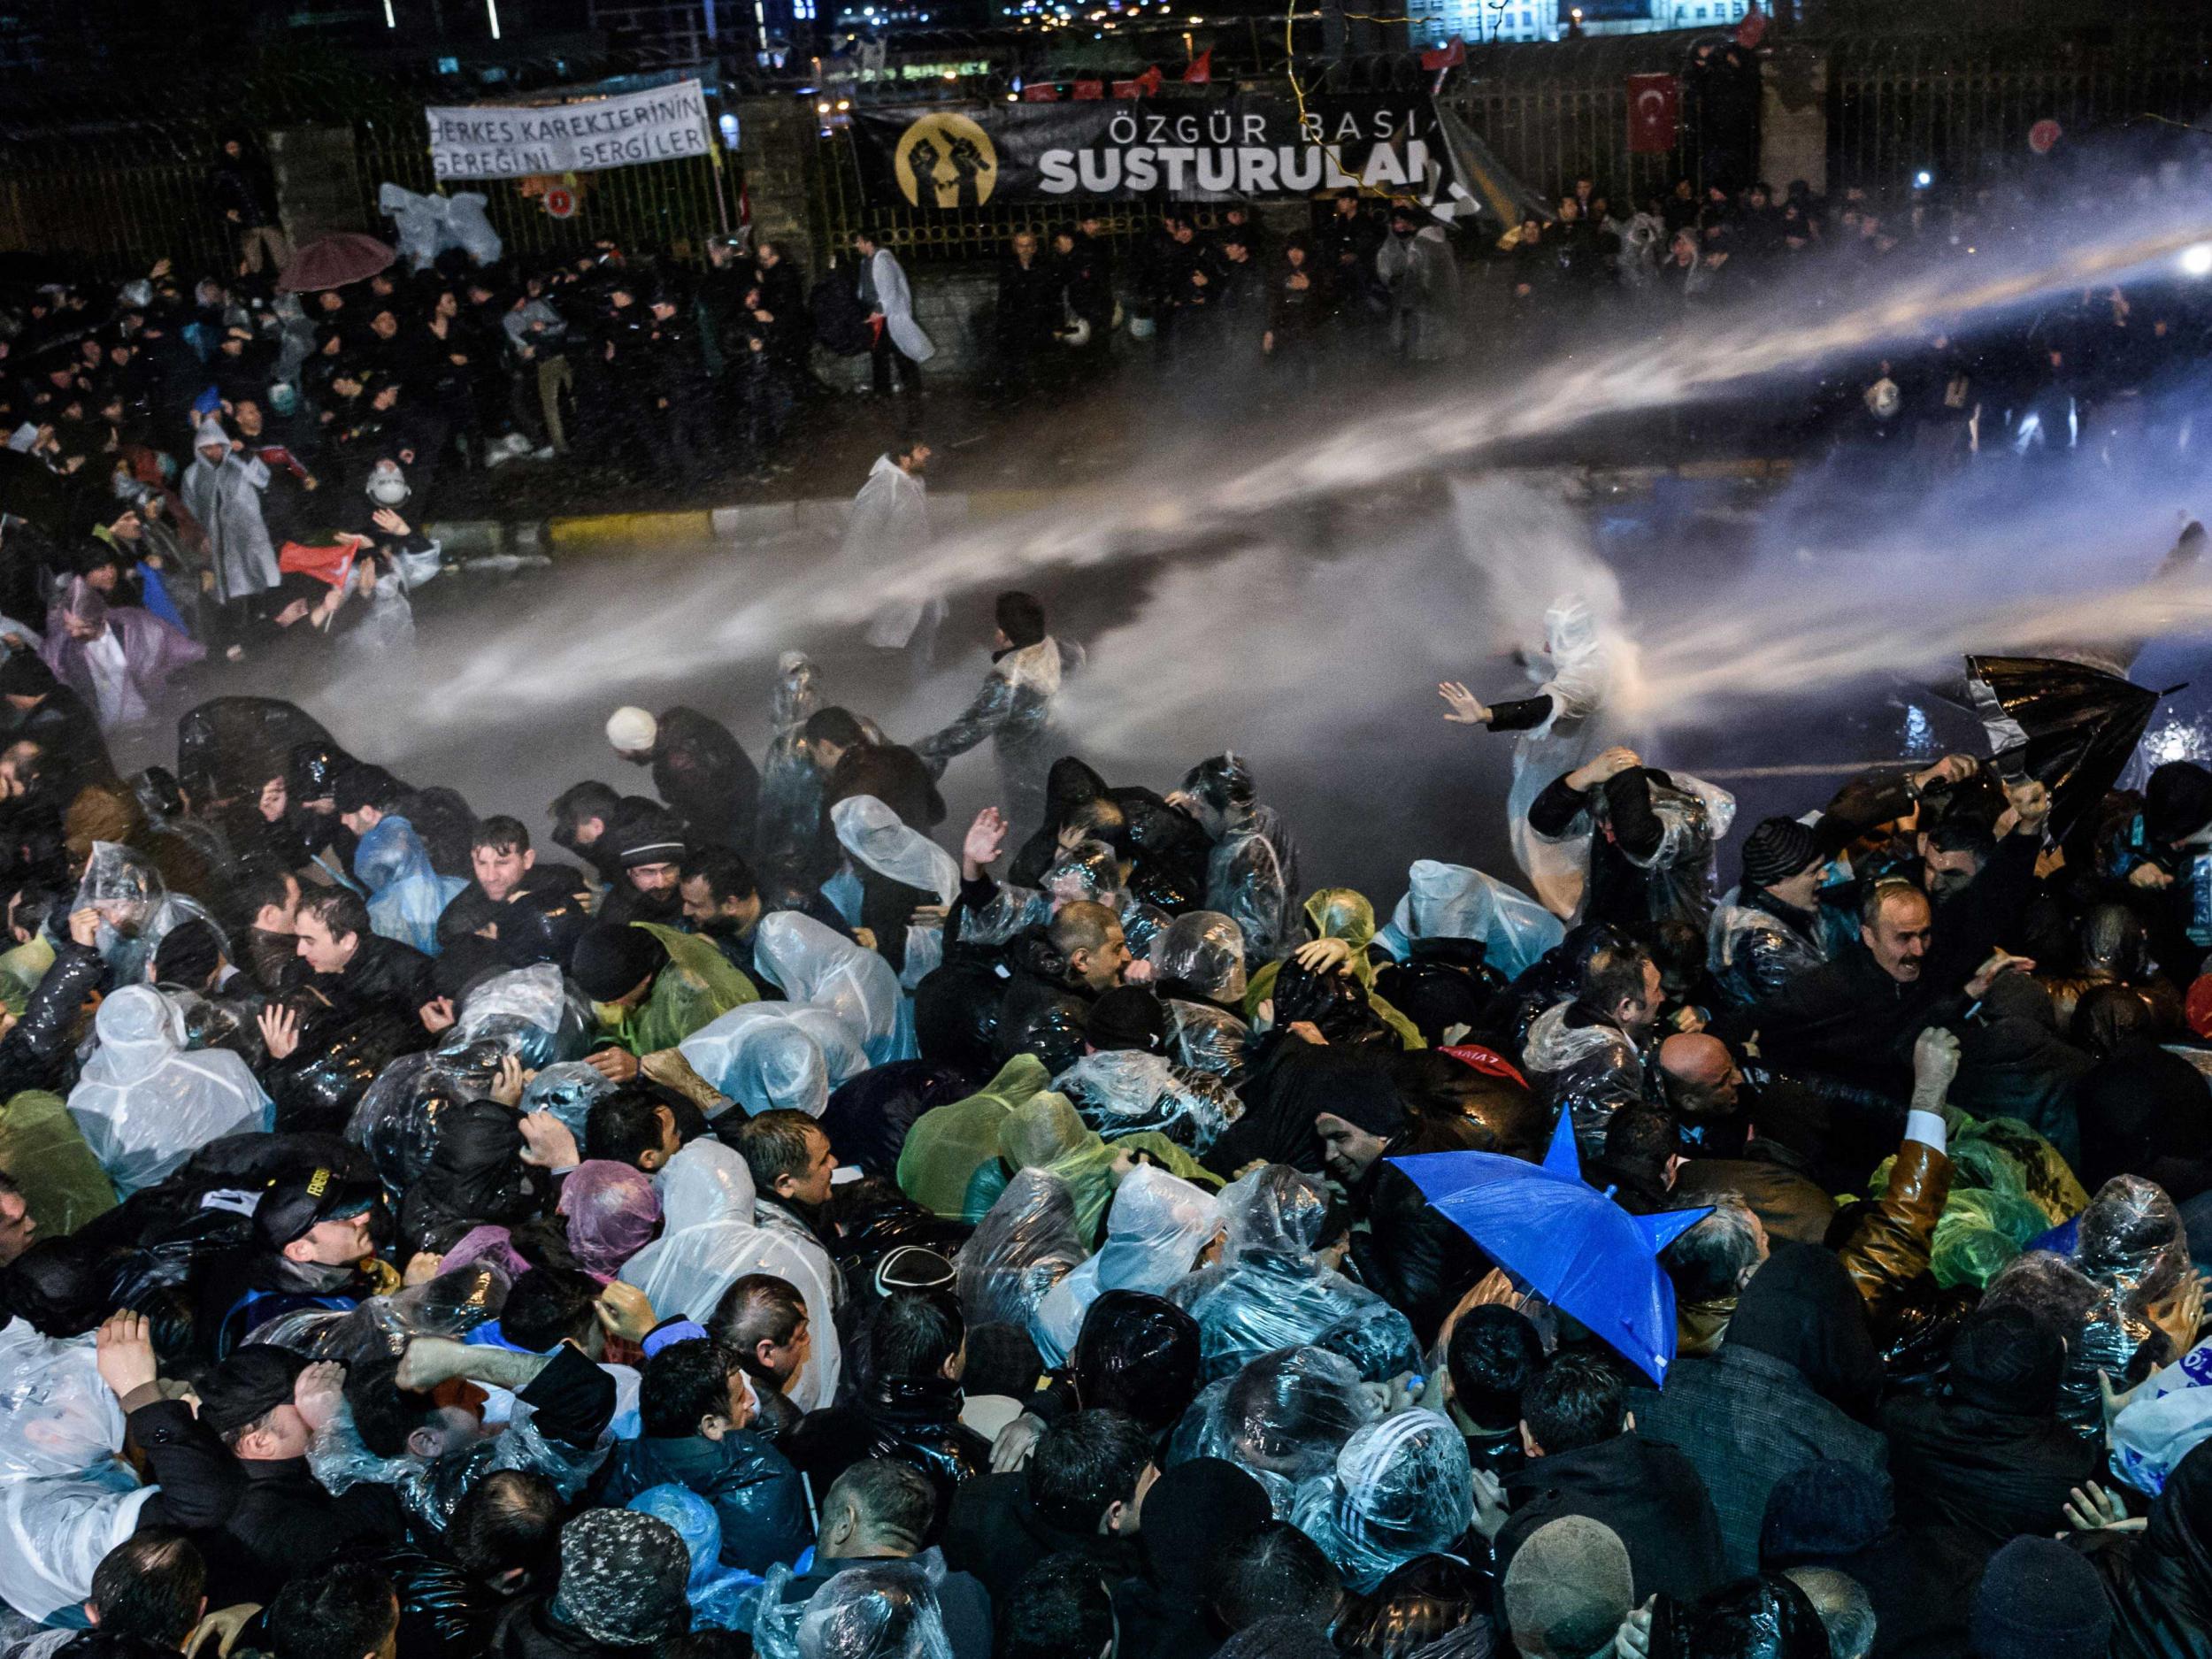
(1204, 951)
(1024, 1245)
(1285, 1417)
(1453, 902)
(136, 909)
(398, 1120)
(144, 1104)
(569, 1091)
(808, 963)
(882, 1610)
(535, 1003)
(451, 1304)
(225, 744)
(768, 1057)
(1401, 1487)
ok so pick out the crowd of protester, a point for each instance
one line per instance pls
(770, 1219)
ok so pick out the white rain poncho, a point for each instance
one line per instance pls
(1027, 1243)
(136, 909)
(888, 529)
(1270, 1290)
(709, 1240)
(1401, 1487)
(405, 894)
(1285, 1418)
(548, 1019)
(1124, 1091)
(1453, 902)
(144, 1105)
(1155, 1229)
(66, 1497)
(810, 965)
(1578, 675)
(873, 834)
(776, 1056)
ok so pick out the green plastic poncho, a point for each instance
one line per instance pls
(2009, 1187)
(1046, 1132)
(41, 1146)
(20, 970)
(948, 1143)
(1340, 913)
(697, 986)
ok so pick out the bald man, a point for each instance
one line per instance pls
(1766, 1137)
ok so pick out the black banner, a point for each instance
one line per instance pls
(947, 156)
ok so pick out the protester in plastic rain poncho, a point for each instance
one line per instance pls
(810, 965)
(1087, 871)
(1155, 1228)
(1014, 711)
(1270, 1289)
(535, 1008)
(948, 1144)
(144, 1104)
(377, 625)
(612, 1213)
(776, 1056)
(66, 1496)
(1121, 1091)
(1253, 869)
(1198, 968)
(1341, 914)
(1453, 902)
(1024, 1245)
(135, 908)
(1590, 1072)
(1401, 1487)
(693, 984)
(222, 489)
(1285, 1417)
(2130, 1262)
(875, 837)
(889, 530)
(405, 894)
(718, 1594)
(790, 787)
(1045, 1132)
(1574, 676)
(118, 659)
(569, 1090)
(709, 1240)
(882, 1610)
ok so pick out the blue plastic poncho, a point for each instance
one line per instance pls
(405, 894)
(718, 1593)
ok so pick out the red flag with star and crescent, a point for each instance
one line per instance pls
(1655, 103)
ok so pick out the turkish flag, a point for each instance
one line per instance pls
(1087, 90)
(1447, 56)
(1655, 103)
(1201, 72)
(1046, 93)
(1148, 82)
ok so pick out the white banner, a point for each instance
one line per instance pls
(493, 141)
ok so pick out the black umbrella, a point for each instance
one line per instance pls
(2069, 725)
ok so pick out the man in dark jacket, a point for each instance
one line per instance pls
(1987, 1454)
(1651, 840)
(695, 1404)
(244, 187)
(905, 1403)
(621, 1590)
(1196, 1510)
(880, 1510)
(1585, 1458)
(700, 770)
(506, 868)
(1082, 1493)
(352, 966)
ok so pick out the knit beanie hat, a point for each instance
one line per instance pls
(1775, 850)
(1828, 1508)
(1568, 1589)
(611, 962)
(623, 1576)
(1127, 1017)
(2039, 1600)
(632, 731)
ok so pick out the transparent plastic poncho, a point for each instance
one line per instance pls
(136, 909)
(873, 834)
(720, 1596)
(57, 1417)
(1204, 951)
(405, 894)
(1206, 1038)
(1245, 885)
(144, 1104)
(810, 965)
(1589, 1071)
(1024, 1245)
(769, 1057)
(1011, 910)
(453, 1304)
(710, 1240)
(548, 1018)
(59, 1528)
(1401, 1487)
(1285, 1418)
(402, 1114)
(1453, 902)
(790, 788)
(1155, 1227)
(569, 1091)
(886, 1609)
(1122, 1092)
(1270, 1290)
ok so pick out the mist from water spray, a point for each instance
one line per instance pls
(1338, 633)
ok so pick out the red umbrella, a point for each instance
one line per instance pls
(331, 262)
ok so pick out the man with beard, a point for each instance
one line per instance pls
(506, 867)
(721, 903)
(648, 855)
(699, 769)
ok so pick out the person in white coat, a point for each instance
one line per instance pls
(888, 528)
(899, 339)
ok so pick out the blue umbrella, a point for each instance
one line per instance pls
(1567, 1241)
